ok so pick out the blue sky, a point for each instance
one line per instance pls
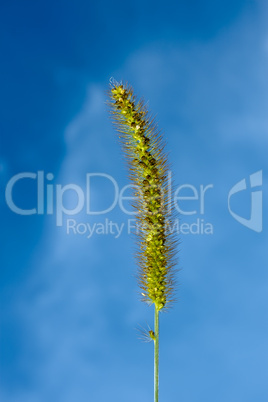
(69, 304)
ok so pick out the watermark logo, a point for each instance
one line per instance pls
(66, 202)
(255, 220)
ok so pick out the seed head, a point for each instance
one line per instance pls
(143, 148)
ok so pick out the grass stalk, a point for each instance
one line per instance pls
(144, 149)
(156, 354)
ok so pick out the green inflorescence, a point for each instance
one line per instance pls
(143, 146)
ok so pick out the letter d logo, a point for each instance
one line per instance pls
(255, 221)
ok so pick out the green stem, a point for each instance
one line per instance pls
(156, 354)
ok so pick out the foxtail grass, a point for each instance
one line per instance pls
(144, 149)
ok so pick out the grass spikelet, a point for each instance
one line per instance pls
(146, 334)
(144, 149)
